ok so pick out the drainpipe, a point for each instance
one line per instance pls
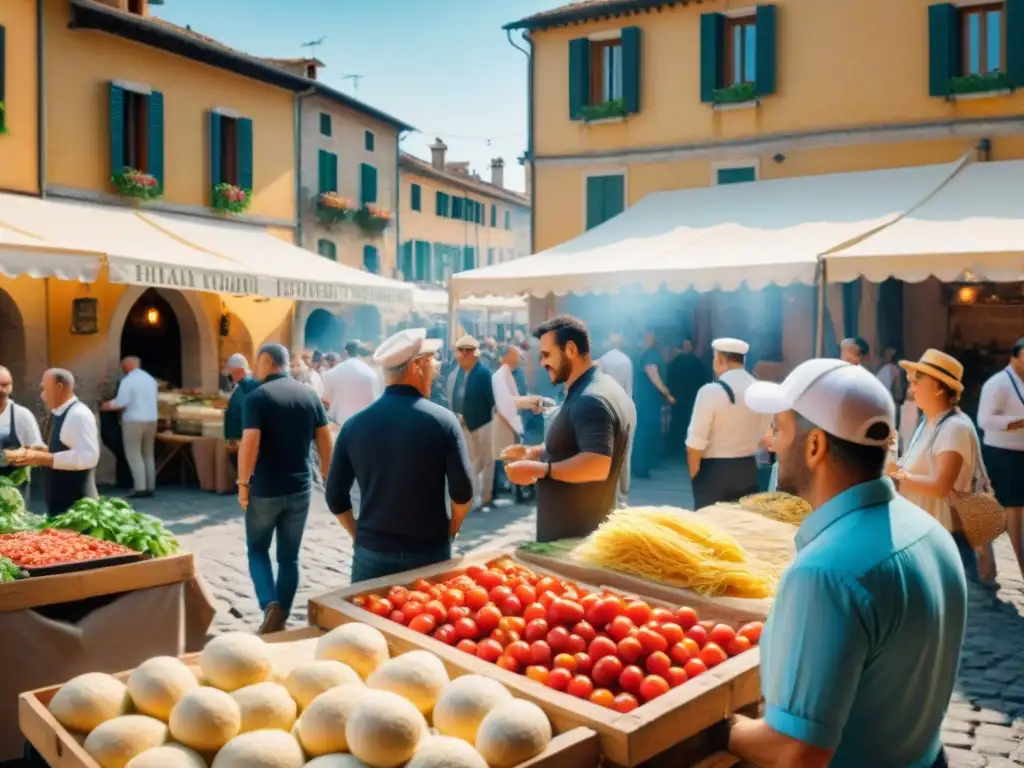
(398, 198)
(299, 98)
(529, 128)
(40, 98)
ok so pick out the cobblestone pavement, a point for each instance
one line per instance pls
(984, 727)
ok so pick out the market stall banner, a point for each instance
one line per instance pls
(301, 290)
(183, 278)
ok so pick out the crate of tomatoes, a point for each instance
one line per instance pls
(50, 551)
(646, 675)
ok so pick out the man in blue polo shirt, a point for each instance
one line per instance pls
(859, 655)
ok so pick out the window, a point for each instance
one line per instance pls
(468, 258)
(228, 151)
(494, 215)
(311, 71)
(136, 131)
(371, 259)
(441, 204)
(490, 256)
(458, 203)
(368, 140)
(325, 124)
(231, 151)
(508, 220)
(416, 197)
(605, 199)
(740, 51)
(327, 249)
(405, 262)
(422, 261)
(604, 74)
(328, 171)
(605, 71)
(735, 175)
(981, 28)
(367, 184)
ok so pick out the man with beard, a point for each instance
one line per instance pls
(859, 654)
(577, 468)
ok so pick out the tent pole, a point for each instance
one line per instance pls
(819, 336)
(452, 317)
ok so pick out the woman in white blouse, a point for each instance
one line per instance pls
(943, 453)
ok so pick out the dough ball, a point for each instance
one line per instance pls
(235, 660)
(309, 680)
(465, 702)
(156, 685)
(446, 752)
(322, 725)
(206, 719)
(88, 700)
(198, 673)
(113, 743)
(168, 756)
(339, 760)
(261, 749)
(512, 733)
(418, 676)
(359, 645)
(266, 705)
(384, 729)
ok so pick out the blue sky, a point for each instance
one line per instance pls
(444, 66)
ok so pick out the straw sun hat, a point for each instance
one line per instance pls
(940, 366)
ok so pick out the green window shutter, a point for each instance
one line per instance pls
(614, 196)
(367, 184)
(244, 145)
(333, 168)
(327, 249)
(712, 27)
(631, 69)
(457, 208)
(508, 220)
(494, 215)
(406, 261)
(943, 47)
(766, 33)
(579, 77)
(490, 256)
(1014, 42)
(736, 175)
(324, 171)
(155, 137)
(3, 76)
(442, 204)
(371, 261)
(422, 265)
(368, 140)
(469, 258)
(116, 129)
(325, 124)
(606, 198)
(214, 149)
(415, 197)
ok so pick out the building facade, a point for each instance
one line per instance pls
(452, 220)
(633, 97)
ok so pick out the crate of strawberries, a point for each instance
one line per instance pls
(50, 551)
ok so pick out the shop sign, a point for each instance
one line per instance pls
(299, 290)
(196, 280)
(85, 316)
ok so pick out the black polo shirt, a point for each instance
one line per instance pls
(596, 417)
(476, 404)
(401, 451)
(287, 413)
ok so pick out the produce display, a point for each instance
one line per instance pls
(9, 571)
(38, 549)
(13, 515)
(614, 652)
(115, 520)
(391, 712)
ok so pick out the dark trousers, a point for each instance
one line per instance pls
(724, 480)
(967, 556)
(647, 443)
(369, 564)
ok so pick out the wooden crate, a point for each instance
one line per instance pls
(574, 748)
(36, 591)
(626, 739)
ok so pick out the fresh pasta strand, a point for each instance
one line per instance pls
(778, 506)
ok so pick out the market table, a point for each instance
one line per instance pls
(206, 457)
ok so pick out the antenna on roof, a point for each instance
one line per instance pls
(355, 80)
(313, 45)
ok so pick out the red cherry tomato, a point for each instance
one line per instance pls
(419, 597)
(488, 618)
(686, 617)
(722, 635)
(499, 593)
(601, 647)
(507, 662)
(490, 579)
(658, 663)
(652, 687)
(576, 644)
(535, 611)
(566, 612)
(630, 678)
(620, 628)
(625, 702)
(501, 636)
(661, 615)
(585, 630)
(538, 673)
(606, 671)
(467, 629)
(412, 609)
(512, 624)
(583, 663)
(457, 612)
(712, 655)
(694, 667)
(680, 653)
(489, 650)
(398, 617)
(536, 630)
(446, 634)
(526, 594)
(604, 610)
(676, 676)
(651, 640)
(467, 646)
(474, 570)
(698, 634)
(580, 687)
(752, 631)
(422, 585)
(739, 644)
(436, 609)
(381, 607)
(540, 652)
(511, 606)
(638, 612)
(559, 679)
(398, 596)
(361, 600)
(629, 650)
(425, 623)
(558, 638)
(476, 598)
(520, 651)
(565, 661)
(454, 596)
(672, 632)
(603, 698)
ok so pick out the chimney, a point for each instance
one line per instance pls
(437, 150)
(527, 171)
(498, 172)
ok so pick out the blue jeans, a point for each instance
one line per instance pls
(285, 516)
(369, 564)
(967, 556)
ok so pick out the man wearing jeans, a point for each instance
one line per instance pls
(280, 421)
(402, 451)
(136, 399)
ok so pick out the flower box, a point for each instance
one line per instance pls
(137, 185)
(332, 208)
(227, 198)
(735, 94)
(372, 219)
(609, 109)
(992, 81)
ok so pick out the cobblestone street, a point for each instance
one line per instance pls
(985, 724)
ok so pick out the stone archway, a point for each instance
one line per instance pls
(199, 358)
(13, 351)
(237, 340)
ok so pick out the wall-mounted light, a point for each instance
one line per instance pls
(966, 294)
(779, 158)
(152, 316)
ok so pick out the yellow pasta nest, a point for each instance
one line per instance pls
(677, 547)
(778, 506)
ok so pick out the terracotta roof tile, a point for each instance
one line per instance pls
(466, 181)
(584, 10)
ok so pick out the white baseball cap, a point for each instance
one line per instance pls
(844, 400)
(401, 347)
(236, 360)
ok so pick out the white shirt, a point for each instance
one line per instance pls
(136, 397)
(998, 407)
(889, 375)
(956, 434)
(25, 424)
(720, 429)
(349, 388)
(505, 392)
(617, 364)
(316, 382)
(79, 434)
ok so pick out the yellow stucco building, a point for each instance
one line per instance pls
(633, 97)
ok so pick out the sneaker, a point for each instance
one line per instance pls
(274, 619)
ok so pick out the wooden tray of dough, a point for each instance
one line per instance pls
(626, 739)
(36, 591)
(574, 748)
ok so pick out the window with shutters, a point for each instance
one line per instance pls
(494, 215)
(975, 49)
(605, 71)
(457, 205)
(367, 184)
(371, 259)
(416, 197)
(441, 204)
(369, 140)
(325, 124)
(735, 174)
(605, 199)
(135, 131)
(604, 76)
(327, 249)
(737, 56)
(740, 49)
(422, 261)
(228, 150)
(982, 35)
(508, 220)
(327, 171)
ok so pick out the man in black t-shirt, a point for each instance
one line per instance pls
(577, 468)
(280, 420)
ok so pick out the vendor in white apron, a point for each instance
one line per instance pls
(18, 427)
(722, 440)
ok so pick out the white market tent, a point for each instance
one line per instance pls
(434, 301)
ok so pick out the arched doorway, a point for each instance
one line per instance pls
(12, 345)
(324, 331)
(365, 323)
(235, 338)
(152, 333)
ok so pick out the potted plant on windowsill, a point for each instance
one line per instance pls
(228, 198)
(372, 219)
(986, 83)
(605, 111)
(738, 93)
(137, 185)
(332, 208)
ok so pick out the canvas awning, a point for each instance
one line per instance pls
(167, 251)
(974, 223)
(435, 301)
(720, 237)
